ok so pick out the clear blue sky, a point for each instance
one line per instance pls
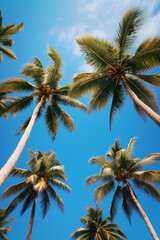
(58, 23)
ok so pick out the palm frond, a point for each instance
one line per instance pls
(98, 53)
(51, 122)
(130, 147)
(60, 185)
(145, 94)
(117, 102)
(69, 101)
(116, 198)
(151, 176)
(56, 198)
(100, 192)
(18, 199)
(35, 72)
(101, 96)
(18, 105)
(80, 232)
(16, 85)
(151, 158)
(13, 190)
(45, 202)
(146, 56)
(28, 200)
(84, 83)
(63, 117)
(20, 173)
(152, 79)
(127, 30)
(148, 188)
(51, 75)
(8, 52)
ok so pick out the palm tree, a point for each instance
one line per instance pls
(45, 89)
(117, 72)
(5, 40)
(96, 228)
(119, 166)
(45, 172)
(3, 221)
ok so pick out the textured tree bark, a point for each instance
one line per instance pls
(153, 115)
(7, 168)
(146, 219)
(31, 220)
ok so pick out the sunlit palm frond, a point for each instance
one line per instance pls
(149, 176)
(21, 173)
(100, 192)
(127, 30)
(98, 53)
(35, 72)
(60, 185)
(8, 52)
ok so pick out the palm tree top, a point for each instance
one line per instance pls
(45, 173)
(116, 68)
(119, 166)
(5, 40)
(3, 222)
(97, 228)
(46, 86)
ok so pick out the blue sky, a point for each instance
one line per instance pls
(58, 23)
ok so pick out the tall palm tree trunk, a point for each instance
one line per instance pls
(31, 219)
(7, 168)
(146, 219)
(153, 115)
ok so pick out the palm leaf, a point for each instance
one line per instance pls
(51, 122)
(153, 176)
(60, 185)
(18, 104)
(30, 197)
(116, 198)
(127, 29)
(19, 172)
(56, 198)
(148, 188)
(146, 56)
(98, 53)
(45, 202)
(152, 79)
(117, 102)
(8, 52)
(2, 237)
(53, 54)
(100, 192)
(145, 94)
(68, 101)
(16, 85)
(101, 96)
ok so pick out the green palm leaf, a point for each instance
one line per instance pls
(152, 79)
(127, 30)
(45, 203)
(16, 85)
(8, 52)
(116, 198)
(100, 192)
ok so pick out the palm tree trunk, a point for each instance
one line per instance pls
(31, 219)
(148, 223)
(153, 115)
(8, 167)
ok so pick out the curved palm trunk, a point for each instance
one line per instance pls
(148, 223)
(153, 115)
(31, 219)
(8, 167)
